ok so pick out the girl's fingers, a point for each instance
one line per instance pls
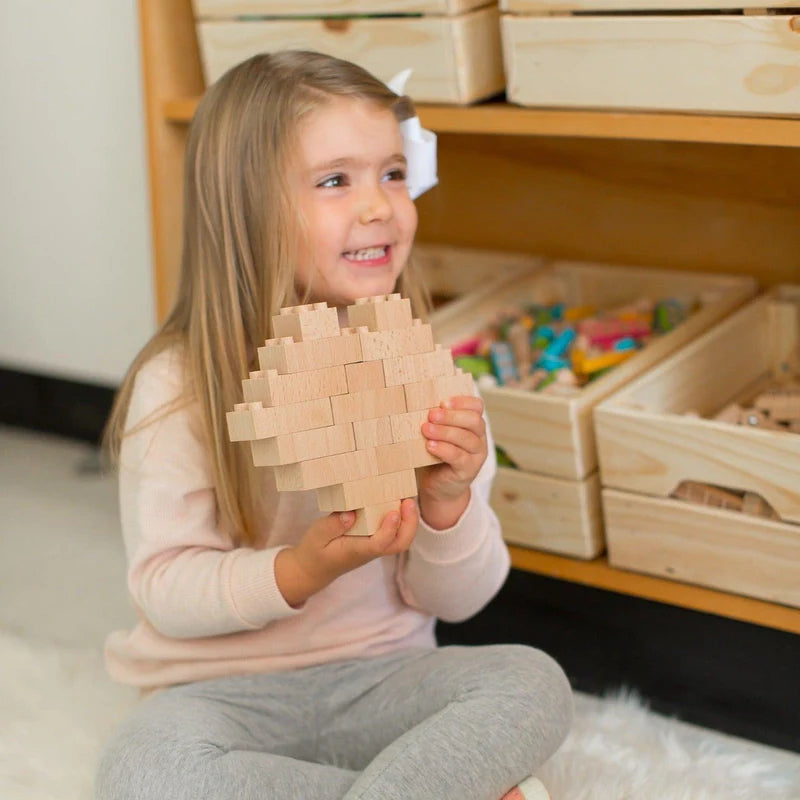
(467, 440)
(469, 420)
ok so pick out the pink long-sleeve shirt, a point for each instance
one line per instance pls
(209, 608)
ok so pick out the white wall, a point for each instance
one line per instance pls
(76, 297)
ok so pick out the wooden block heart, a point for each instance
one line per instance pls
(339, 410)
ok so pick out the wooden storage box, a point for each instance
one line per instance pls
(652, 60)
(553, 435)
(648, 446)
(453, 46)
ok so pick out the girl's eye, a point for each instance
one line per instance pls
(333, 182)
(396, 174)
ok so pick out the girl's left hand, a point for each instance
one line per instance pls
(456, 433)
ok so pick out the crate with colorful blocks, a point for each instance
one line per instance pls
(452, 46)
(697, 56)
(700, 458)
(581, 331)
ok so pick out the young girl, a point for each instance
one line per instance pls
(280, 657)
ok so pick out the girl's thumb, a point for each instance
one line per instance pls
(346, 518)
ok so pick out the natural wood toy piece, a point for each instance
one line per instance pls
(340, 410)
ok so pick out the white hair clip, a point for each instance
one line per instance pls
(419, 146)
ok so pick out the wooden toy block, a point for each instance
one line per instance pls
(408, 426)
(429, 393)
(398, 456)
(369, 519)
(367, 491)
(250, 421)
(708, 495)
(273, 389)
(784, 327)
(418, 367)
(303, 445)
(753, 503)
(306, 323)
(732, 413)
(287, 356)
(377, 345)
(369, 404)
(782, 405)
(365, 376)
(319, 472)
(372, 432)
(758, 419)
(380, 313)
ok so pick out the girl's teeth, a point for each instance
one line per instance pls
(366, 254)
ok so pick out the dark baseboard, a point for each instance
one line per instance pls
(731, 676)
(63, 407)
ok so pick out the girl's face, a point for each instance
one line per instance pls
(350, 183)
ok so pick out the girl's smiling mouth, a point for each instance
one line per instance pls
(369, 256)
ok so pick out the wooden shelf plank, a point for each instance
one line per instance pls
(599, 574)
(509, 120)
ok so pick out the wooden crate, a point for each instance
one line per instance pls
(687, 62)
(553, 435)
(553, 514)
(453, 48)
(648, 446)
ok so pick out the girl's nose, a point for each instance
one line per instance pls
(375, 205)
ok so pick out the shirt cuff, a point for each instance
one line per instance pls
(254, 590)
(455, 543)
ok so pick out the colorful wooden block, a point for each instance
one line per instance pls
(380, 313)
(306, 323)
(303, 445)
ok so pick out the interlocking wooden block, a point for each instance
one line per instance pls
(408, 426)
(306, 323)
(377, 345)
(368, 519)
(369, 404)
(367, 491)
(380, 313)
(287, 356)
(372, 432)
(326, 471)
(252, 421)
(303, 445)
(403, 455)
(429, 393)
(732, 413)
(782, 405)
(365, 376)
(273, 389)
(418, 367)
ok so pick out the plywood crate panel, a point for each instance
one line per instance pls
(553, 514)
(329, 8)
(706, 546)
(455, 58)
(648, 444)
(554, 435)
(659, 432)
(709, 63)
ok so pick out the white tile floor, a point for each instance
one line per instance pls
(62, 582)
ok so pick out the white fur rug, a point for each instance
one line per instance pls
(57, 707)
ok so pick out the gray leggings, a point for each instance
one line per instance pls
(466, 723)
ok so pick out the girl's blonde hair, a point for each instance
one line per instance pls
(237, 264)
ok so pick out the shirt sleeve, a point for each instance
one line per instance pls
(185, 573)
(453, 573)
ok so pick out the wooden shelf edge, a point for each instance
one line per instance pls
(599, 574)
(508, 120)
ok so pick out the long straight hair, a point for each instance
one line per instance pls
(238, 262)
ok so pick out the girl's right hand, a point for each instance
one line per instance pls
(325, 552)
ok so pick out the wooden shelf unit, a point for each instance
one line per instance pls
(695, 192)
